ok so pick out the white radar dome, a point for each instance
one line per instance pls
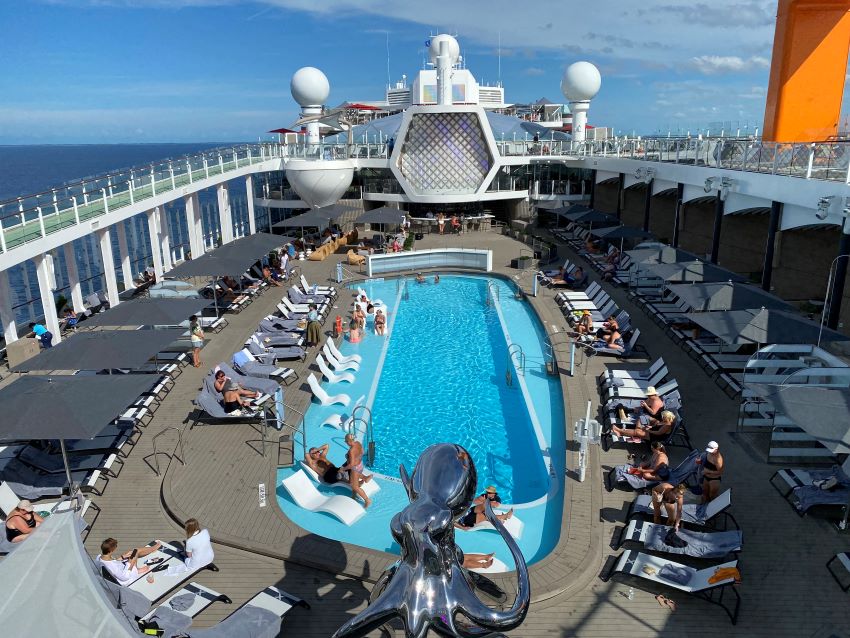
(434, 49)
(581, 82)
(309, 86)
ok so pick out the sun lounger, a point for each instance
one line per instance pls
(330, 375)
(245, 363)
(320, 290)
(630, 347)
(619, 474)
(699, 544)
(260, 617)
(323, 397)
(694, 514)
(342, 421)
(808, 496)
(53, 464)
(279, 338)
(298, 297)
(369, 488)
(275, 352)
(697, 582)
(163, 581)
(514, 526)
(352, 358)
(654, 375)
(336, 364)
(786, 480)
(276, 324)
(174, 615)
(304, 493)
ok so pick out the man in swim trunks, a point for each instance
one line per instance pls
(354, 465)
(317, 459)
(232, 393)
(476, 514)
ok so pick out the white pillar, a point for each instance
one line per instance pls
(193, 222)
(48, 303)
(108, 262)
(444, 74)
(124, 252)
(73, 277)
(153, 232)
(165, 240)
(249, 187)
(7, 315)
(225, 219)
(579, 111)
(313, 136)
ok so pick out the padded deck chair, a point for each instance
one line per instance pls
(369, 488)
(632, 564)
(163, 581)
(630, 347)
(53, 464)
(607, 377)
(699, 544)
(352, 358)
(693, 514)
(806, 497)
(245, 363)
(260, 617)
(210, 404)
(265, 387)
(335, 363)
(296, 296)
(174, 615)
(330, 375)
(276, 324)
(328, 291)
(323, 397)
(266, 354)
(304, 493)
(514, 526)
(620, 476)
(9, 501)
(278, 339)
(788, 479)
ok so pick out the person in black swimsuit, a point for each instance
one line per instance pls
(316, 458)
(21, 522)
(232, 393)
(649, 428)
(712, 470)
(672, 499)
(476, 514)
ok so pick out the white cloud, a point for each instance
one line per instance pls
(718, 64)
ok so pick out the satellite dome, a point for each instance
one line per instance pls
(581, 82)
(309, 86)
(434, 49)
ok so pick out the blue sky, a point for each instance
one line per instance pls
(218, 70)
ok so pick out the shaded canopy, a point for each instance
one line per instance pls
(620, 232)
(665, 255)
(230, 259)
(102, 349)
(694, 271)
(382, 215)
(50, 587)
(149, 312)
(563, 211)
(823, 413)
(726, 295)
(592, 216)
(762, 326)
(66, 406)
(318, 217)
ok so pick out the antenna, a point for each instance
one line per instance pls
(389, 79)
(500, 59)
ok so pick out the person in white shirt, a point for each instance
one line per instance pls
(125, 569)
(199, 551)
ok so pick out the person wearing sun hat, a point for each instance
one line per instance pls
(476, 514)
(22, 522)
(653, 404)
(585, 323)
(712, 471)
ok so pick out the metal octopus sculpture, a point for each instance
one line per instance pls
(428, 588)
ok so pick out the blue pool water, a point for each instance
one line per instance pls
(441, 377)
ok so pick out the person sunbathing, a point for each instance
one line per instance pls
(22, 522)
(233, 394)
(478, 561)
(585, 323)
(658, 466)
(476, 513)
(649, 428)
(317, 460)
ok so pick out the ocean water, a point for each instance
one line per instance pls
(26, 170)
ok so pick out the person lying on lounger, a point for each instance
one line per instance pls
(476, 514)
(649, 428)
(317, 460)
(234, 395)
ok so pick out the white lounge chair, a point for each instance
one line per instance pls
(369, 488)
(9, 501)
(336, 364)
(163, 581)
(298, 308)
(356, 358)
(320, 290)
(323, 397)
(513, 525)
(341, 421)
(330, 375)
(304, 493)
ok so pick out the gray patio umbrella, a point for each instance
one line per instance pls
(66, 407)
(762, 326)
(563, 211)
(727, 295)
(149, 312)
(593, 216)
(693, 271)
(102, 349)
(382, 215)
(318, 217)
(621, 232)
(230, 259)
(665, 255)
(824, 413)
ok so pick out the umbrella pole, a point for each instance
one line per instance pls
(71, 486)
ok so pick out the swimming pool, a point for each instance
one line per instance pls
(440, 376)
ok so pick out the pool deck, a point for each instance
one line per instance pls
(786, 590)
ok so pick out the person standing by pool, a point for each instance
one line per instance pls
(712, 471)
(354, 465)
(314, 328)
(380, 322)
(197, 336)
(441, 222)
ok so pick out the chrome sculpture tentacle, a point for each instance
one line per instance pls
(428, 588)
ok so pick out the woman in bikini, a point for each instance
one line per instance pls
(21, 522)
(712, 471)
(658, 467)
(380, 323)
(476, 513)
(672, 499)
(654, 429)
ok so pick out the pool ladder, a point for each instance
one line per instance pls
(492, 294)
(516, 357)
(369, 435)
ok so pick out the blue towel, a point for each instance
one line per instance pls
(675, 573)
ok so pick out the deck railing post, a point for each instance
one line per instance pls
(41, 221)
(153, 182)
(189, 169)
(76, 209)
(132, 197)
(105, 202)
(171, 172)
(206, 167)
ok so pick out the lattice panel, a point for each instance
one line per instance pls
(445, 153)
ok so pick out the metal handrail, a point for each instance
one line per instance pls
(492, 292)
(296, 429)
(515, 349)
(369, 432)
(179, 444)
